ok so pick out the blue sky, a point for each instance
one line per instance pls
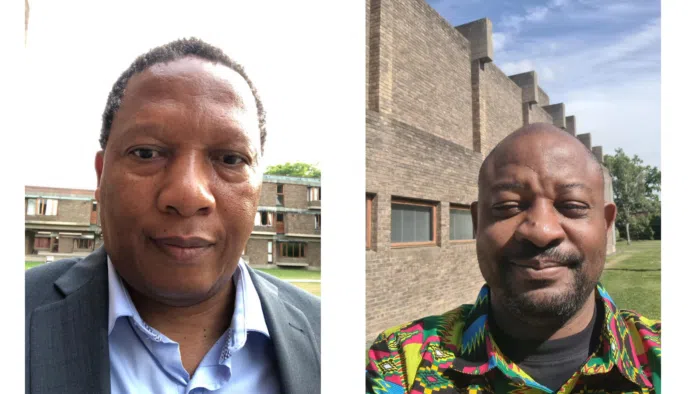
(601, 58)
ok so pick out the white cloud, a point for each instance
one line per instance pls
(499, 41)
(517, 67)
(546, 74)
(536, 14)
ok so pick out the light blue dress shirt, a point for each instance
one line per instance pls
(145, 361)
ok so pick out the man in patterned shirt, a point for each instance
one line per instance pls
(542, 323)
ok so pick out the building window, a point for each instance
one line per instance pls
(263, 218)
(412, 223)
(269, 252)
(42, 243)
(460, 223)
(31, 206)
(94, 206)
(317, 222)
(42, 206)
(280, 194)
(368, 221)
(292, 249)
(314, 194)
(83, 243)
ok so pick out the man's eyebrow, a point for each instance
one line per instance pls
(570, 186)
(507, 186)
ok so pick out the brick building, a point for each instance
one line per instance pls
(287, 230)
(60, 222)
(65, 222)
(436, 106)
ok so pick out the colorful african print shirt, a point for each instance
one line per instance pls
(456, 353)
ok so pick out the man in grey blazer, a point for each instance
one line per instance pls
(167, 305)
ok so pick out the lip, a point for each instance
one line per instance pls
(537, 264)
(539, 269)
(183, 248)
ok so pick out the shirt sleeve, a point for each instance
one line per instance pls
(384, 373)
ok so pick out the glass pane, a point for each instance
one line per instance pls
(460, 224)
(396, 218)
(423, 228)
(31, 206)
(411, 223)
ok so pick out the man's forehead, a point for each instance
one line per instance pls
(192, 76)
(549, 155)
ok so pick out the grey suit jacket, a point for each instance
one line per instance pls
(66, 347)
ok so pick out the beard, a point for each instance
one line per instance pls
(544, 307)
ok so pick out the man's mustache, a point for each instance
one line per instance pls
(530, 251)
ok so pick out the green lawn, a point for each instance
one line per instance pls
(31, 264)
(633, 277)
(292, 273)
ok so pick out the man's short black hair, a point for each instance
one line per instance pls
(166, 53)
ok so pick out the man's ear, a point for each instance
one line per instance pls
(475, 216)
(99, 166)
(610, 215)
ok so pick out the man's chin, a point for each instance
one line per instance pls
(547, 302)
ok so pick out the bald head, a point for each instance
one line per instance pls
(539, 135)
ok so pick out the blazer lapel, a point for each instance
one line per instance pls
(296, 350)
(73, 332)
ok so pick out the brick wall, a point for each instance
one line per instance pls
(313, 254)
(295, 196)
(256, 251)
(74, 211)
(537, 115)
(403, 284)
(268, 195)
(419, 69)
(503, 107)
(297, 223)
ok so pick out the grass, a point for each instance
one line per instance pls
(292, 273)
(313, 288)
(31, 264)
(633, 277)
(296, 273)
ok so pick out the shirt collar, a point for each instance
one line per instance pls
(480, 354)
(247, 315)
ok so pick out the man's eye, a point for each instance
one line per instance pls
(574, 209)
(231, 159)
(507, 209)
(145, 153)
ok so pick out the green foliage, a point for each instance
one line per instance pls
(635, 192)
(298, 169)
(640, 228)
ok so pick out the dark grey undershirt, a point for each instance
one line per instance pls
(551, 363)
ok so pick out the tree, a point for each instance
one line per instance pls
(635, 192)
(298, 169)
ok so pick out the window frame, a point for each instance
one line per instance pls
(309, 193)
(460, 241)
(418, 203)
(302, 249)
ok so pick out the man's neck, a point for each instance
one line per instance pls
(195, 328)
(522, 328)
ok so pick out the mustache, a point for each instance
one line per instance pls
(528, 251)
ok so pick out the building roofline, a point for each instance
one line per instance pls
(292, 180)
